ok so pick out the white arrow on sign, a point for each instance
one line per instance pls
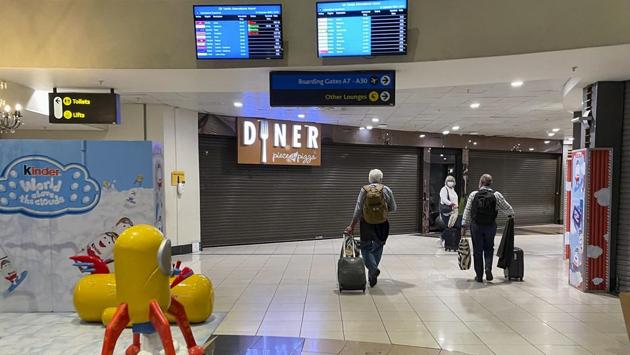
(58, 107)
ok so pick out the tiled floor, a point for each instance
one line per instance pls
(268, 345)
(422, 299)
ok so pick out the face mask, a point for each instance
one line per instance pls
(450, 184)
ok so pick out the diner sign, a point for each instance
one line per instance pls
(273, 142)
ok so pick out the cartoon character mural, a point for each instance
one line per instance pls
(94, 257)
(61, 199)
(9, 273)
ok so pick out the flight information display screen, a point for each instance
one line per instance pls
(362, 28)
(238, 31)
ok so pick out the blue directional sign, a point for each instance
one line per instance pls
(316, 88)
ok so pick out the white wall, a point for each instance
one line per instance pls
(176, 129)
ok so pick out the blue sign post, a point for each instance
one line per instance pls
(352, 88)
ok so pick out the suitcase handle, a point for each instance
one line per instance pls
(347, 236)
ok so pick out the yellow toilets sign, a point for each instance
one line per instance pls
(91, 108)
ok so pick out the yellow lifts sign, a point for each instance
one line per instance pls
(274, 142)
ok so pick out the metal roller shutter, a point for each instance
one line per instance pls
(529, 182)
(243, 204)
(623, 236)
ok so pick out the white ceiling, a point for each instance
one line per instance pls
(431, 96)
(529, 111)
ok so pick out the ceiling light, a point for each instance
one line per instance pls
(517, 83)
(551, 134)
(423, 135)
(531, 149)
(474, 143)
(547, 142)
(368, 127)
(361, 128)
(301, 115)
(555, 130)
(238, 104)
(375, 119)
(445, 132)
(441, 155)
(475, 105)
(455, 128)
(444, 158)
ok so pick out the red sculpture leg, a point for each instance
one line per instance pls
(161, 325)
(114, 329)
(177, 310)
(134, 348)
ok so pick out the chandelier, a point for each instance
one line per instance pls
(10, 119)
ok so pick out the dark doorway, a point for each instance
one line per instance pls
(444, 162)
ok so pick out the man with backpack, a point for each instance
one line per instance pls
(480, 214)
(374, 204)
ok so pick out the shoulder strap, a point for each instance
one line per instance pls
(379, 187)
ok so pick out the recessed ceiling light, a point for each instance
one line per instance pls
(446, 132)
(555, 129)
(475, 105)
(474, 143)
(547, 142)
(531, 149)
(551, 134)
(423, 135)
(361, 128)
(441, 155)
(375, 119)
(444, 158)
(368, 127)
(517, 83)
(301, 115)
(238, 104)
(455, 128)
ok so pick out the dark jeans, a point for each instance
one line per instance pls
(373, 238)
(483, 246)
(372, 252)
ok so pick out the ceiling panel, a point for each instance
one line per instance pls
(529, 111)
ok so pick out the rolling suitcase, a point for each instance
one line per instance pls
(451, 239)
(350, 267)
(516, 270)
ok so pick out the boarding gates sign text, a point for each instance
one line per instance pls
(334, 88)
(271, 142)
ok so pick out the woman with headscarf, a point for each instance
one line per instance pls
(449, 202)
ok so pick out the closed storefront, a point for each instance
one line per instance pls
(623, 236)
(244, 204)
(529, 182)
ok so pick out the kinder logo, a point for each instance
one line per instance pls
(33, 171)
(39, 186)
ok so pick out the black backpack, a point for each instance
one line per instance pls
(484, 208)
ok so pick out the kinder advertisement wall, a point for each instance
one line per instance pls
(590, 219)
(68, 198)
(576, 234)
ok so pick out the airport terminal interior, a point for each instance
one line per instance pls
(314, 177)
